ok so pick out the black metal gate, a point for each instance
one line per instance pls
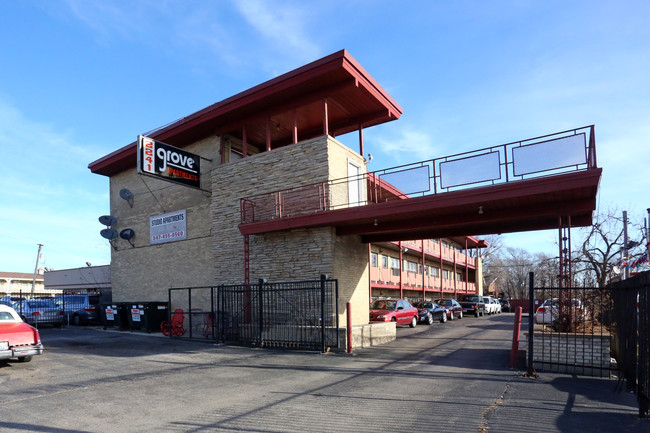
(571, 330)
(300, 315)
(580, 331)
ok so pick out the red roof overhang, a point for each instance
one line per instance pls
(534, 204)
(354, 100)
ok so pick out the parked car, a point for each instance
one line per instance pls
(79, 309)
(490, 307)
(17, 338)
(394, 310)
(453, 308)
(505, 305)
(9, 300)
(549, 311)
(39, 312)
(429, 311)
(472, 304)
(497, 305)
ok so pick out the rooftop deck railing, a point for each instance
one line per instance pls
(562, 152)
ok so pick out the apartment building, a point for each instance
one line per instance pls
(426, 269)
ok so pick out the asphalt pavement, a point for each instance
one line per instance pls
(438, 378)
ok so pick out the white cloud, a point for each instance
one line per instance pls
(285, 26)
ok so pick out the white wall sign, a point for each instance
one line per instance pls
(168, 227)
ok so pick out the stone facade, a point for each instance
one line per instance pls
(302, 254)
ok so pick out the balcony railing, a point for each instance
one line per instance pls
(559, 153)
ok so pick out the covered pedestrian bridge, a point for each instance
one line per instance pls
(548, 182)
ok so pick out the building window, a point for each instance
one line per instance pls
(384, 261)
(394, 265)
(411, 267)
(445, 274)
(373, 260)
(435, 272)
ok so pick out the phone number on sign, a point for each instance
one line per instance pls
(172, 235)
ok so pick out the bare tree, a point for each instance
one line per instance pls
(490, 257)
(598, 251)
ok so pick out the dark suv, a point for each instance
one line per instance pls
(79, 309)
(472, 304)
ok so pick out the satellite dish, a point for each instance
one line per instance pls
(107, 220)
(109, 234)
(126, 194)
(617, 270)
(127, 234)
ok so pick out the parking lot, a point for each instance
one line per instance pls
(443, 377)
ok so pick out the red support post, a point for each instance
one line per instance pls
(514, 354)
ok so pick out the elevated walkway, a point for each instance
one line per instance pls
(532, 184)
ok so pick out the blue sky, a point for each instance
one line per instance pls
(82, 78)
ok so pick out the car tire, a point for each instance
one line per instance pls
(414, 322)
(24, 359)
(443, 319)
(451, 315)
(429, 319)
(460, 315)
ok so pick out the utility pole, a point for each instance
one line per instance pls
(38, 256)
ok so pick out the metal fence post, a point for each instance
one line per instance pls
(322, 312)
(260, 285)
(531, 322)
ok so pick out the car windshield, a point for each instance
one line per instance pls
(445, 302)
(383, 304)
(471, 298)
(425, 305)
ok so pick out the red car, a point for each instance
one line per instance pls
(17, 338)
(394, 310)
(454, 309)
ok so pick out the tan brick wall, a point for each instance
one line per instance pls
(144, 273)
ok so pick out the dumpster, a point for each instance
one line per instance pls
(135, 312)
(154, 314)
(147, 316)
(113, 315)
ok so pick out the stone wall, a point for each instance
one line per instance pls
(301, 254)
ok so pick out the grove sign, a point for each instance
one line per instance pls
(168, 162)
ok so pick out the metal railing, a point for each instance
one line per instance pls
(562, 152)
